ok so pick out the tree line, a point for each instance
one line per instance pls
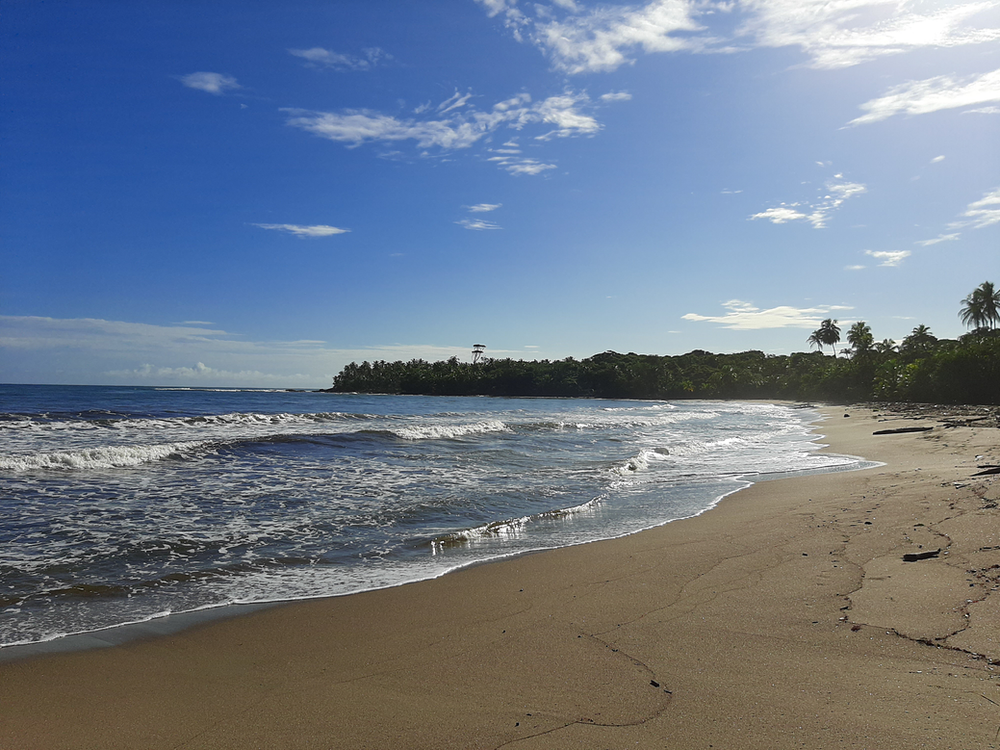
(920, 368)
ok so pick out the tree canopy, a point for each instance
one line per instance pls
(923, 368)
(981, 309)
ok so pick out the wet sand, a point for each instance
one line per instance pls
(785, 617)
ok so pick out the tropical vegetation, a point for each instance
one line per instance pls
(920, 368)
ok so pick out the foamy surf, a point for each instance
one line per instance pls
(118, 504)
(109, 457)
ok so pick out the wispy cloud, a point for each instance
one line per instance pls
(931, 95)
(982, 213)
(850, 32)
(316, 230)
(480, 224)
(889, 258)
(456, 124)
(319, 57)
(456, 101)
(213, 83)
(605, 38)
(509, 157)
(940, 238)
(519, 166)
(979, 214)
(781, 214)
(742, 315)
(477, 224)
(817, 212)
(831, 34)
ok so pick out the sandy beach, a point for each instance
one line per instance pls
(846, 610)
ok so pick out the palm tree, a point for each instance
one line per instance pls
(919, 341)
(828, 334)
(860, 338)
(981, 309)
(885, 347)
(814, 340)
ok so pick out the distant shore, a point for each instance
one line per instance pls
(785, 616)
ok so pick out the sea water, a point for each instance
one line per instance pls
(120, 505)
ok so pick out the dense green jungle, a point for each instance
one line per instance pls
(921, 368)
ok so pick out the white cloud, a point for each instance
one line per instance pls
(480, 208)
(456, 124)
(477, 224)
(601, 39)
(320, 57)
(984, 212)
(780, 215)
(844, 33)
(817, 213)
(562, 112)
(521, 166)
(213, 83)
(316, 230)
(835, 34)
(939, 238)
(979, 214)
(616, 96)
(513, 18)
(745, 316)
(931, 95)
(854, 268)
(889, 258)
(456, 101)
(460, 129)
(937, 159)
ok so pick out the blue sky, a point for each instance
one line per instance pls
(255, 193)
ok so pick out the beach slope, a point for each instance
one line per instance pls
(854, 609)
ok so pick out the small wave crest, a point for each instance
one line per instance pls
(509, 529)
(639, 462)
(123, 421)
(445, 431)
(105, 457)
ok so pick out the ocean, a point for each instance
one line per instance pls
(123, 504)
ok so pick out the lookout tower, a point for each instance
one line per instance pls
(477, 352)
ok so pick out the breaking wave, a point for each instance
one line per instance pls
(107, 457)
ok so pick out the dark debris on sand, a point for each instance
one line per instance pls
(949, 415)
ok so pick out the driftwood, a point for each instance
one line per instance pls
(987, 470)
(902, 429)
(914, 556)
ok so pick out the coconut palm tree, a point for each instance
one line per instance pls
(920, 341)
(828, 334)
(860, 338)
(885, 347)
(814, 340)
(981, 309)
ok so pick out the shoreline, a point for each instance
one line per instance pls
(785, 616)
(174, 622)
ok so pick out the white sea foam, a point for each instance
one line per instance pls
(160, 423)
(639, 462)
(107, 457)
(448, 431)
(291, 505)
